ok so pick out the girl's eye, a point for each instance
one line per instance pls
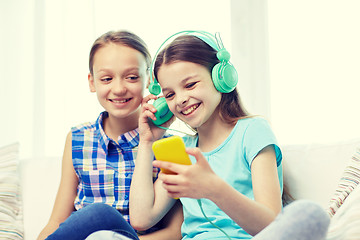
(133, 77)
(169, 95)
(106, 79)
(190, 85)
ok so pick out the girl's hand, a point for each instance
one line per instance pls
(147, 130)
(192, 181)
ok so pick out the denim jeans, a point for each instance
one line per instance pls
(95, 217)
(301, 220)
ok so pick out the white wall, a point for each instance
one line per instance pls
(314, 69)
(16, 71)
(44, 69)
(298, 66)
(297, 62)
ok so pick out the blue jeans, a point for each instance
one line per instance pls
(95, 217)
(301, 220)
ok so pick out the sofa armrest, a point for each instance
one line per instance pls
(40, 179)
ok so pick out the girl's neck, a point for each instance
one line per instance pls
(213, 133)
(114, 127)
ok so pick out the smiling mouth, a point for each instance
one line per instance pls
(120, 101)
(190, 109)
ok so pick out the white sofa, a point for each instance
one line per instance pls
(311, 172)
(40, 180)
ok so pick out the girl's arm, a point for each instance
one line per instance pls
(199, 181)
(148, 201)
(253, 216)
(64, 202)
(171, 223)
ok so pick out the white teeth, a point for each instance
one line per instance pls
(119, 101)
(190, 110)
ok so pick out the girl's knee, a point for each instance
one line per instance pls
(308, 210)
(103, 214)
(100, 207)
(306, 206)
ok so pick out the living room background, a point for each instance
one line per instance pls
(297, 62)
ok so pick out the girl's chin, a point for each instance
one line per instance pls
(123, 113)
(192, 124)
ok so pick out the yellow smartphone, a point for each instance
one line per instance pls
(171, 149)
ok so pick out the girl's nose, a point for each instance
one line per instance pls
(182, 99)
(118, 86)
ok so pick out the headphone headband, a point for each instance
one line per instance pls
(223, 74)
(213, 41)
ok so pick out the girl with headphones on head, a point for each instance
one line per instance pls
(233, 188)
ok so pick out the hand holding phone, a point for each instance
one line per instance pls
(171, 149)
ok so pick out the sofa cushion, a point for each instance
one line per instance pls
(11, 217)
(348, 181)
(345, 223)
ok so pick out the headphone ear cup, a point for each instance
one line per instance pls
(224, 77)
(163, 113)
(154, 88)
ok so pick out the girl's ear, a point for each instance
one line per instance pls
(91, 83)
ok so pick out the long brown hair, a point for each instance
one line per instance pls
(119, 37)
(192, 49)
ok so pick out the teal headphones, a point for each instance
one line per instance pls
(224, 75)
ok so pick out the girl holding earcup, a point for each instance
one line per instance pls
(233, 189)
